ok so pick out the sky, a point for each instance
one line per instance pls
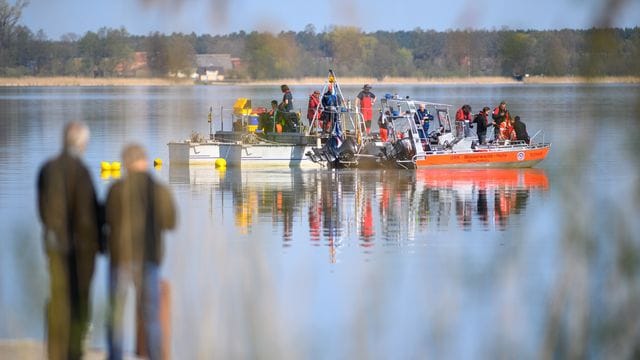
(140, 17)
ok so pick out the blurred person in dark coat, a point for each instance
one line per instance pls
(138, 209)
(70, 215)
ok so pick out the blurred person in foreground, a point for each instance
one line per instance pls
(71, 219)
(138, 209)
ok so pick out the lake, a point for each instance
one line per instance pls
(281, 263)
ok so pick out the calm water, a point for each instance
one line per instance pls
(346, 264)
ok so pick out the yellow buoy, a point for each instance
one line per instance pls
(221, 163)
(157, 162)
(105, 174)
(115, 165)
(105, 166)
(115, 174)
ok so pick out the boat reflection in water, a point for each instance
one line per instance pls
(366, 207)
(489, 195)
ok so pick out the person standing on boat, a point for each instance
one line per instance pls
(138, 210)
(520, 129)
(330, 108)
(313, 109)
(72, 222)
(482, 121)
(499, 115)
(287, 99)
(422, 121)
(383, 122)
(365, 101)
(463, 120)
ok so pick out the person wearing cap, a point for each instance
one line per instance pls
(312, 109)
(422, 118)
(365, 101)
(330, 103)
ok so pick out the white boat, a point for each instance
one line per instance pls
(252, 145)
(274, 150)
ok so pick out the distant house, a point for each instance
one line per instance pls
(238, 64)
(212, 67)
(138, 66)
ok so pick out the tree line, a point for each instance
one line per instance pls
(347, 50)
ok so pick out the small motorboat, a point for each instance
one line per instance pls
(408, 146)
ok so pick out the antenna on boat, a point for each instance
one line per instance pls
(210, 120)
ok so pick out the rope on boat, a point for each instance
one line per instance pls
(252, 138)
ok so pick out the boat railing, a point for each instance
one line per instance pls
(536, 134)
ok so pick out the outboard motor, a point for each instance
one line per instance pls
(348, 150)
(402, 150)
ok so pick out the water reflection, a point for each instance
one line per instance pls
(370, 208)
(487, 197)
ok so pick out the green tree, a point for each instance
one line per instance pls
(347, 48)
(180, 54)
(457, 53)
(91, 49)
(157, 54)
(604, 54)
(516, 52)
(9, 18)
(117, 51)
(554, 56)
(271, 57)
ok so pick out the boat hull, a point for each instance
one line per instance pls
(517, 157)
(484, 178)
(241, 155)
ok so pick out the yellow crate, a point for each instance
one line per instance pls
(242, 106)
(252, 128)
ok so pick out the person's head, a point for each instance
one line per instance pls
(466, 109)
(503, 105)
(366, 87)
(274, 104)
(421, 106)
(485, 110)
(284, 88)
(516, 119)
(76, 136)
(135, 158)
(316, 93)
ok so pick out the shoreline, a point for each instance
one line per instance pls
(60, 81)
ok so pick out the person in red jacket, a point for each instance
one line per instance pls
(463, 121)
(365, 101)
(312, 110)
